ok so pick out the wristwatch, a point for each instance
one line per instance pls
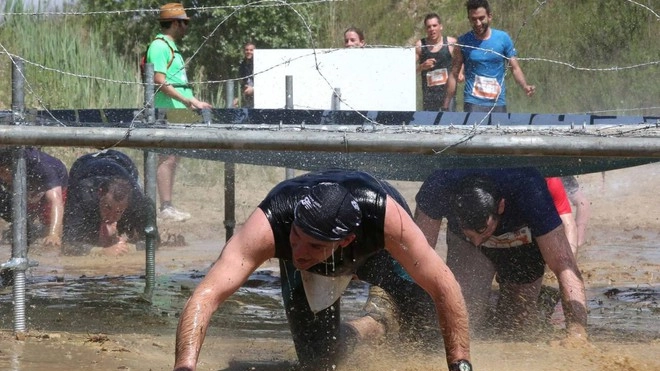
(461, 365)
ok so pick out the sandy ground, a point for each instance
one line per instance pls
(123, 333)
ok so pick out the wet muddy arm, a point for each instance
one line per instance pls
(56, 201)
(456, 68)
(560, 259)
(429, 226)
(242, 255)
(408, 245)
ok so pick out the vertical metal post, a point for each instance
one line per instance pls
(229, 94)
(289, 92)
(19, 246)
(230, 176)
(150, 188)
(289, 173)
(336, 100)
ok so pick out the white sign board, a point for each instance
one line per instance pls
(369, 79)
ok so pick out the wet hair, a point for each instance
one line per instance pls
(431, 16)
(328, 212)
(358, 31)
(475, 199)
(119, 188)
(476, 4)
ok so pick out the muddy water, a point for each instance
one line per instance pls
(622, 282)
(88, 313)
(102, 302)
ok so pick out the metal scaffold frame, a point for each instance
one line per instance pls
(362, 143)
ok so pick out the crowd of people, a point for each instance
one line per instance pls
(330, 227)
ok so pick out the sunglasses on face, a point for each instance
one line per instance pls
(184, 21)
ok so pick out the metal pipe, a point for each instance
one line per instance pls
(150, 188)
(336, 100)
(229, 94)
(230, 178)
(428, 144)
(17, 86)
(19, 246)
(149, 93)
(288, 80)
(230, 199)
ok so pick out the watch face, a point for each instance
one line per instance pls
(462, 365)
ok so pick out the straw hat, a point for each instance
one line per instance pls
(172, 11)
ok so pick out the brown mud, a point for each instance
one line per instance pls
(89, 312)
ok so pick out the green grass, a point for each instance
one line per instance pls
(62, 43)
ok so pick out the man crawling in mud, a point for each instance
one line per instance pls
(326, 228)
(106, 211)
(503, 224)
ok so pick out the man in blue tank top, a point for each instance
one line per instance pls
(326, 228)
(484, 54)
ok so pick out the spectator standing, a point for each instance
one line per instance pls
(354, 38)
(173, 92)
(484, 53)
(246, 74)
(433, 55)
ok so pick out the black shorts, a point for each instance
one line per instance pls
(521, 264)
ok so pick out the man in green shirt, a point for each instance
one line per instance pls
(173, 91)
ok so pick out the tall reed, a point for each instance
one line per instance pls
(61, 55)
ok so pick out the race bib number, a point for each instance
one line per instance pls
(437, 77)
(521, 237)
(486, 87)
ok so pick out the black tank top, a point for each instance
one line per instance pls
(369, 192)
(442, 60)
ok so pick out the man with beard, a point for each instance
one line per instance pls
(484, 53)
(173, 92)
(325, 228)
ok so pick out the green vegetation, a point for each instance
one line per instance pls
(550, 36)
(63, 43)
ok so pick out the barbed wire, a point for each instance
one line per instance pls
(29, 87)
(645, 7)
(316, 52)
(121, 12)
